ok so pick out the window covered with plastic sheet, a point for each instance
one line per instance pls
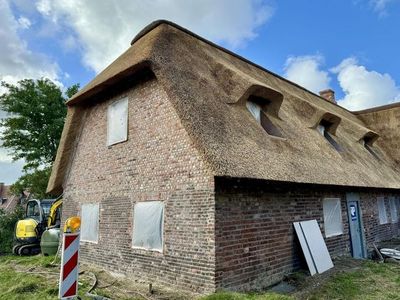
(117, 122)
(394, 213)
(332, 217)
(382, 211)
(90, 222)
(148, 219)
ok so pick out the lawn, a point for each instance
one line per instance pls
(36, 278)
(369, 280)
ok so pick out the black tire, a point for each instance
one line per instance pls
(24, 251)
(16, 249)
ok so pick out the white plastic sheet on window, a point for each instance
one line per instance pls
(382, 211)
(90, 222)
(117, 122)
(148, 225)
(321, 129)
(254, 109)
(394, 213)
(332, 217)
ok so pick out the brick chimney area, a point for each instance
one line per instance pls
(328, 95)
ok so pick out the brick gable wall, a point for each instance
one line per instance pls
(158, 162)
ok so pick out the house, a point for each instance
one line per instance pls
(189, 164)
(7, 201)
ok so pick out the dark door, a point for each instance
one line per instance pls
(355, 225)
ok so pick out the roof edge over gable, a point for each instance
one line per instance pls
(157, 23)
(377, 108)
(85, 94)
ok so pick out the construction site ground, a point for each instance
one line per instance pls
(36, 277)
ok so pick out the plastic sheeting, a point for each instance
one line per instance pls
(254, 109)
(394, 213)
(332, 217)
(90, 222)
(382, 211)
(148, 225)
(117, 122)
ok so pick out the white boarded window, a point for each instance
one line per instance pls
(90, 222)
(394, 213)
(382, 211)
(148, 219)
(332, 217)
(117, 122)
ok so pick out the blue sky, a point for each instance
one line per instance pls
(350, 46)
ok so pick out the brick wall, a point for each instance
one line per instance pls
(236, 235)
(158, 162)
(255, 240)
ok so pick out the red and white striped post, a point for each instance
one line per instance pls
(68, 286)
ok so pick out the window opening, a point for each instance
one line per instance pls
(323, 128)
(258, 108)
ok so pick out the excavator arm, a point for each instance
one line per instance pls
(51, 221)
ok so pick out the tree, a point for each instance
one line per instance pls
(36, 113)
(7, 225)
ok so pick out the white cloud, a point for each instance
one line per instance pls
(364, 88)
(380, 6)
(306, 71)
(17, 62)
(24, 22)
(105, 28)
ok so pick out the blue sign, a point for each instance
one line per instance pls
(353, 212)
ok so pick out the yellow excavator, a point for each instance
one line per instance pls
(39, 216)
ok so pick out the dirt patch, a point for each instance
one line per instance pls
(122, 287)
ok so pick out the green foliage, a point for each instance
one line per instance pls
(36, 117)
(35, 182)
(32, 131)
(7, 226)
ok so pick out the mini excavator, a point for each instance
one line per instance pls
(39, 216)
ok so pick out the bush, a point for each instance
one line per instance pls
(7, 226)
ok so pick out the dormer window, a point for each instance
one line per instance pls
(368, 142)
(258, 107)
(327, 129)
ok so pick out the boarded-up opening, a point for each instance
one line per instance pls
(148, 219)
(90, 222)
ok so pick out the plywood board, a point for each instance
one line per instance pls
(304, 246)
(313, 246)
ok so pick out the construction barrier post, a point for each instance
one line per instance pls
(68, 286)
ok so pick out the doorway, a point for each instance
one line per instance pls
(358, 248)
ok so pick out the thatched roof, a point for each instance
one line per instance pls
(208, 87)
(385, 120)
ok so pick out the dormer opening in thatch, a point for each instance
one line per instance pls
(327, 128)
(368, 141)
(258, 107)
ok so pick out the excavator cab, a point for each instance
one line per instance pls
(38, 216)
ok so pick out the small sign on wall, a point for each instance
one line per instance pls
(353, 212)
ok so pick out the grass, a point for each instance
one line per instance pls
(372, 281)
(239, 296)
(30, 277)
(35, 277)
